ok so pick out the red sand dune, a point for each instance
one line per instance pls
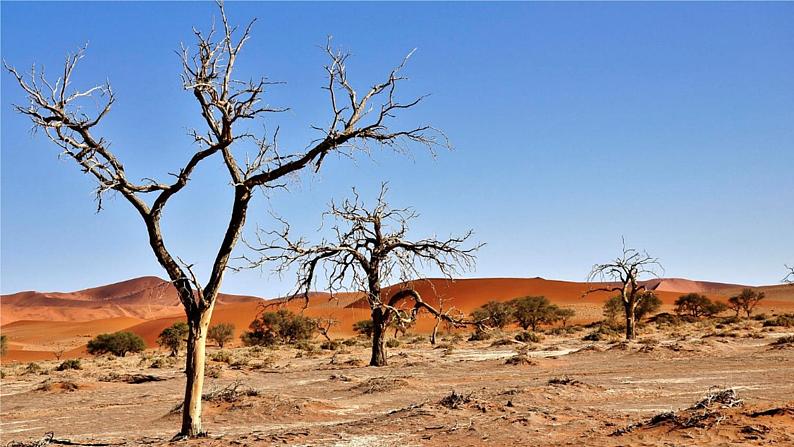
(145, 298)
(148, 305)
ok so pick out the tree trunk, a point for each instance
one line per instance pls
(194, 371)
(434, 334)
(630, 327)
(378, 338)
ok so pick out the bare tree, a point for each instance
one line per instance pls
(225, 103)
(622, 275)
(324, 326)
(370, 247)
(789, 278)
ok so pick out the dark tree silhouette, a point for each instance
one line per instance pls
(226, 104)
(622, 275)
(789, 278)
(370, 247)
(745, 301)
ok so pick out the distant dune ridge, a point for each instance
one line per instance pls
(145, 298)
(39, 323)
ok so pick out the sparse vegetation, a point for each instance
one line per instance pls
(528, 337)
(173, 337)
(494, 313)
(282, 326)
(221, 333)
(3, 344)
(530, 311)
(746, 301)
(696, 305)
(69, 364)
(117, 343)
(364, 327)
(626, 271)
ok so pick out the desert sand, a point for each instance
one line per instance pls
(562, 391)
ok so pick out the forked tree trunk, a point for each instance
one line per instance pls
(378, 338)
(194, 372)
(630, 326)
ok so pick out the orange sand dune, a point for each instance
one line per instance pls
(38, 339)
(145, 298)
(680, 285)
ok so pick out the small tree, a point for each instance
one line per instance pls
(117, 343)
(494, 313)
(692, 304)
(715, 308)
(530, 311)
(173, 337)
(282, 326)
(221, 333)
(626, 271)
(746, 301)
(613, 307)
(649, 303)
(789, 278)
(564, 314)
(3, 344)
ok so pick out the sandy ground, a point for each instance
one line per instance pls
(608, 395)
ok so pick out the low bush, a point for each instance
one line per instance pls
(392, 343)
(529, 337)
(32, 368)
(117, 343)
(785, 320)
(364, 327)
(222, 357)
(330, 345)
(480, 336)
(283, 326)
(69, 364)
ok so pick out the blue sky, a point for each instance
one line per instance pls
(572, 125)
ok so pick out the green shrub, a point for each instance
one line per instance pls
(221, 356)
(329, 345)
(531, 311)
(173, 337)
(494, 313)
(364, 327)
(117, 343)
(221, 333)
(528, 337)
(69, 364)
(480, 336)
(284, 326)
(32, 368)
(785, 320)
(159, 362)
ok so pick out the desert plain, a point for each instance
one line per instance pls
(710, 382)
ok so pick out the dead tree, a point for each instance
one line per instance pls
(324, 326)
(622, 275)
(226, 105)
(369, 249)
(789, 278)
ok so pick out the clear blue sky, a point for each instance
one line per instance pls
(573, 125)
